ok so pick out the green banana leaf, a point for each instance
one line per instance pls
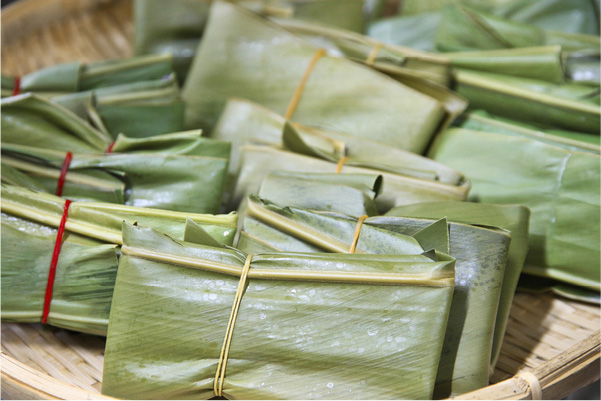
(583, 67)
(427, 73)
(294, 337)
(102, 221)
(463, 28)
(558, 183)
(87, 264)
(177, 28)
(480, 120)
(351, 194)
(177, 160)
(545, 63)
(28, 119)
(397, 189)
(344, 14)
(244, 122)
(77, 76)
(139, 109)
(389, 59)
(150, 179)
(568, 16)
(540, 63)
(12, 176)
(481, 254)
(85, 277)
(339, 94)
(513, 218)
(568, 106)
(538, 285)
(414, 31)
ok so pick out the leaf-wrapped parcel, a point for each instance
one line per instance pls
(29, 119)
(555, 177)
(513, 218)
(408, 177)
(78, 76)
(397, 189)
(351, 194)
(87, 263)
(569, 106)
(139, 109)
(188, 171)
(258, 60)
(481, 254)
(245, 122)
(165, 181)
(575, 16)
(177, 28)
(538, 285)
(396, 61)
(309, 325)
(464, 28)
(487, 43)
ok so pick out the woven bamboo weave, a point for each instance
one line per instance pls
(556, 339)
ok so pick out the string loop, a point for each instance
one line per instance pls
(17, 86)
(373, 53)
(109, 150)
(229, 332)
(54, 262)
(357, 233)
(301, 86)
(64, 170)
(341, 163)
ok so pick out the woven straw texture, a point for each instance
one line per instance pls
(554, 338)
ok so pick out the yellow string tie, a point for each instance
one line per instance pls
(536, 391)
(227, 341)
(357, 232)
(301, 86)
(373, 53)
(341, 164)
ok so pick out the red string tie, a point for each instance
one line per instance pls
(17, 86)
(54, 262)
(64, 169)
(110, 148)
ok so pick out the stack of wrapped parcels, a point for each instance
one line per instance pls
(316, 213)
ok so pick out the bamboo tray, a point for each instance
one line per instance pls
(555, 339)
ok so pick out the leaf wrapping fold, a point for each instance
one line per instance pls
(244, 122)
(372, 105)
(481, 253)
(87, 263)
(513, 218)
(293, 338)
(76, 76)
(559, 184)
